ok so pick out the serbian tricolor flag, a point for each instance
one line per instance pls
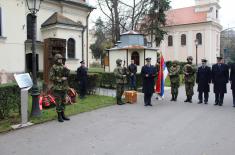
(162, 74)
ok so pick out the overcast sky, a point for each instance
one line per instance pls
(226, 13)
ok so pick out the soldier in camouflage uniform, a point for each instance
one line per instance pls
(174, 74)
(189, 71)
(58, 75)
(121, 81)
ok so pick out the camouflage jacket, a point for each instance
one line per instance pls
(119, 73)
(174, 74)
(57, 72)
(189, 71)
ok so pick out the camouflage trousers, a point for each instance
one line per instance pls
(174, 89)
(59, 99)
(189, 89)
(119, 91)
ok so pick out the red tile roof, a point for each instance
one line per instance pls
(184, 16)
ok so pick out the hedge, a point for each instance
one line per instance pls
(9, 99)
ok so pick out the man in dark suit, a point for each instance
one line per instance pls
(82, 79)
(132, 68)
(148, 73)
(203, 79)
(232, 81)
(220, 77)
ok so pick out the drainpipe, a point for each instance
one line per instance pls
(83, 30)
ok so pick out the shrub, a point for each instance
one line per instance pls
(9, 99)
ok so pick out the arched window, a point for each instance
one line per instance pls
(183, 39)
(29, 26)
(136, 57)
(71, 48)
(170, 41)
(199, 38)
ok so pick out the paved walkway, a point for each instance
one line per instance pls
(167, 128)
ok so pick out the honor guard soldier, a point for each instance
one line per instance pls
(174, 74)
(220, 78)
(59, 76)
(82, 79)
(203, 79)
(148, 73)
(121, 81)
(189, 78)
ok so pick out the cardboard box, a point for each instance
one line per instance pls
(130, 97)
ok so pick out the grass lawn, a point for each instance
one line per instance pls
(96, 70)
(88, 104)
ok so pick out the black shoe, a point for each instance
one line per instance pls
(186, 100)
(216, 103)
(221, 104)
(145, 105)
(120, 103)
(199, 102)
(60, 119)
(206, 102)
(172, 99)
(150, 104)
(64, 117)
(233, 106)
(190, 101)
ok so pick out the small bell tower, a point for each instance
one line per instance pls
(211, 7)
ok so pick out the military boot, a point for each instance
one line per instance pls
(173, 97)
(64, 117)
(190, 99)
(187, 99)
(119, 101)
(176, 95)
(60, 119)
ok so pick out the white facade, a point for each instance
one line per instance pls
(208, 26)
(14, 32)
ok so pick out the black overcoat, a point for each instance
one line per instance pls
(148, 82)
(220, 77)
(82, 76)
(232, 76)
(203, 79)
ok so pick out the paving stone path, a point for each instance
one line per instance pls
(167, 128)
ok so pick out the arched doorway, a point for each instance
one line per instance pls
(136, 57)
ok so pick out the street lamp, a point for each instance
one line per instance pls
(196, 43)
(34, 6)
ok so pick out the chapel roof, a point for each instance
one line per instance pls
(58, 18)
(185, 16)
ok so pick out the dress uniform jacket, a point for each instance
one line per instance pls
(220, 77)
(148, 82)
(203, 79)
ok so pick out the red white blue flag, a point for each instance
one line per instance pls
(162, 74)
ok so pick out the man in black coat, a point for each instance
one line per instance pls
(220, 77)
(132, 68)
(82, 79)
(232, 81)
(203, 79)
(148, 73)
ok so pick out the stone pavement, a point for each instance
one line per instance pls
(167, 128)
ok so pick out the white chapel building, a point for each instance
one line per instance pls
(63, 19)
(185, 25)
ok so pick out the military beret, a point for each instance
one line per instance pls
(82, 62)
